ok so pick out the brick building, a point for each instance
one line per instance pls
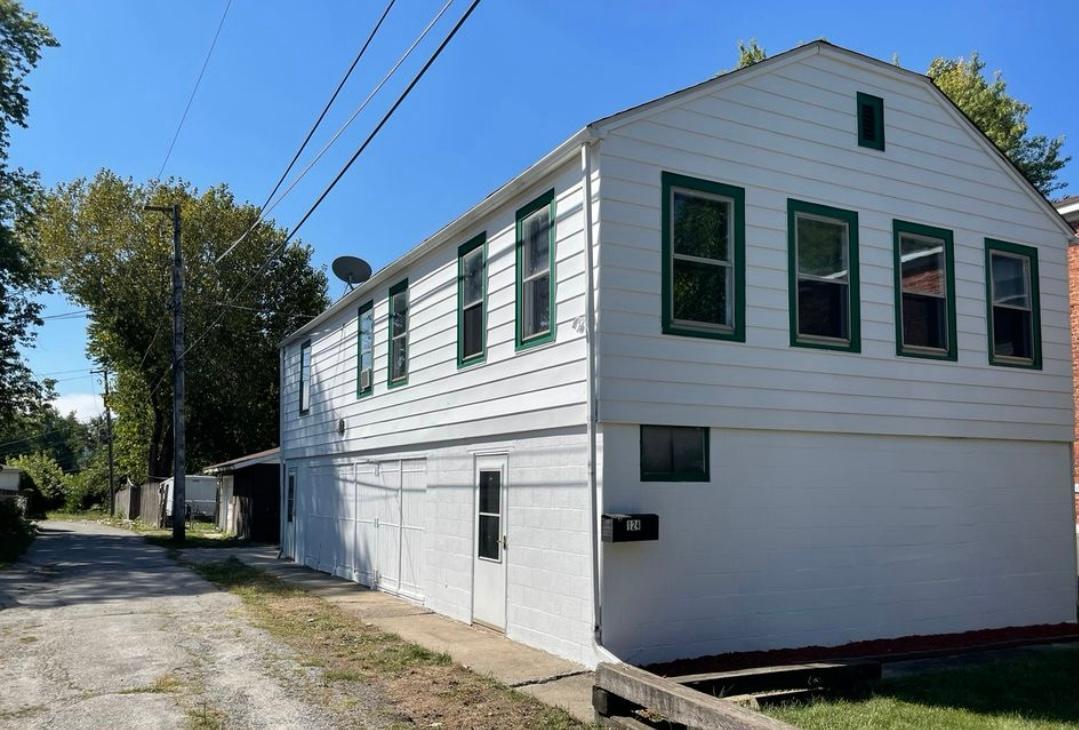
(1069, 208)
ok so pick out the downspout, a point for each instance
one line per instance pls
(282, 479)
(590, 388)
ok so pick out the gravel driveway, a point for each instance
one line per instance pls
(100, 629)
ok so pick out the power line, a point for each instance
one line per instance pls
(267, 207)
(386, 117)
(310, 132)
(198, 80)
(68, 315)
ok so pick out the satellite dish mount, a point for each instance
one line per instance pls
(351, 270)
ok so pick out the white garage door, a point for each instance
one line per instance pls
(328, 516)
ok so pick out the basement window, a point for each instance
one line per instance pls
(703, 258)
(674, 454)
(398, 329)
(305, 377)
(1014, 319)
(472, 301)
(870, 121)
(535, 272)
(925, 291)
(365, 350)
(823, 270)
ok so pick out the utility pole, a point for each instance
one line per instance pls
(108, 435)
(179, 456)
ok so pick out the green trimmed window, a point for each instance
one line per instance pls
(365, 350)
(536, 272)
(822, 245)
(472, 301)
(398, 333)
(674, 454)
(924, 291)
(1014, 316)
(305, 377)
(703, 248)
(870, 121)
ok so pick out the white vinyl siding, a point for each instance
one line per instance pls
(788, 134)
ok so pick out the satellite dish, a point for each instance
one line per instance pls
(351, 270)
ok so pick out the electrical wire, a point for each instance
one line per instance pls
(337, 178)
(311, 132)
(268, 207)
(198, 81)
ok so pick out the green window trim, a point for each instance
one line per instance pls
(463, 250)
(545, 200)
(362, 392)
(854, 308)
(672, 476)
(1031, 253)
(874, 105)
(736, 333)
(952, 352)
(401, 286)
(305, 378)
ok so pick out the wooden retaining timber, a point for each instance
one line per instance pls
(831, 675)
(621, 689)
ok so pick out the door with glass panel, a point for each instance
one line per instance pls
(489, 545)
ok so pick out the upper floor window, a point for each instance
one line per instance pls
(924, 291)
(305, 376)
(870, 121)
(398, 329)
(536, 271)
(365, 350)
(1014, 318)
(823, 270)
(472, 300)
(703, 258)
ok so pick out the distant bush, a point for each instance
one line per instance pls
(44, 478)
(16, 532)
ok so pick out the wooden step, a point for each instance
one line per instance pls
(832, 675)
(774, 697)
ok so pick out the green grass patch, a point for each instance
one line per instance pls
(423, 686)
(1034, 692)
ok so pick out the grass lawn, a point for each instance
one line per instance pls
(422, 688)
(1035, 692)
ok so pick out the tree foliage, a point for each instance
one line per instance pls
(22, 38)
(1000, 116)
(113, 257)
(42, 475)
(41, 428)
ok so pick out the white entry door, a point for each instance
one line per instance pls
(489, 545)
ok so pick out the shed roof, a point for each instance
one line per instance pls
(269, 456)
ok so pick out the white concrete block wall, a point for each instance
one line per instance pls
(548, 577)
(807, 538)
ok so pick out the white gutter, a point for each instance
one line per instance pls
(545, 164)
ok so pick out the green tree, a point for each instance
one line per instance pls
(1000, 116)
(112, 257)
(22, 38)
(42, 475)
(42, 428)
(750, 53)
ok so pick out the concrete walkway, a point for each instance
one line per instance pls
(550, 679)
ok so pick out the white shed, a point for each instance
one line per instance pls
(802, 324)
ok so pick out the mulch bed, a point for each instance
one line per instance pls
(904, 647)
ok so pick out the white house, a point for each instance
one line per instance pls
(805, 313)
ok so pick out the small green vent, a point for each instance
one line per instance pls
(870, 121)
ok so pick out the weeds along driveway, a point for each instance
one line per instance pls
(100, 629)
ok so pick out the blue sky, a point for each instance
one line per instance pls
(520, 77)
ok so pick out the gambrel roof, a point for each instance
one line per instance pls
(597, 129)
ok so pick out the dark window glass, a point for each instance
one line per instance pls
(925, 321)
(490, 491)
(305, 377)
(924, 292)
(701, 269)
(1012, 333)
(534, 274)
(700, 292)
(701, 226)
(674, 452)
(822, 309)
(367, 352)
(471, 301)
(291, 497)
(488, 544)
(472, 342)
(399, 335)
(1013, 309)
